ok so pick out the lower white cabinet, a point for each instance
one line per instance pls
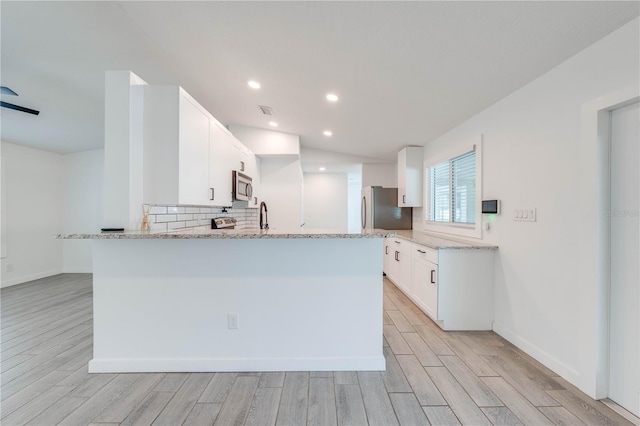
(425, 285)
(388, 259)
(453, 286)
(399, 263)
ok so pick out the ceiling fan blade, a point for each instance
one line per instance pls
(6, 91)
(19, 108)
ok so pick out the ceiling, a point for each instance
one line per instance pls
(405, 72)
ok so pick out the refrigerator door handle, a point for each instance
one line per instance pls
(363, 212)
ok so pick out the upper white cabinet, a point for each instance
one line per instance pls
(221, 159)
(410, 177)
(188, 154)
(193, 153)
(176, 148)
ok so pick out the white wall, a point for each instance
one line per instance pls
(84, 181)
(535, 156)
(354, 205)
(123, 147)
(380, 174)
(34, 191)
(264, 142)
(281, 188)
(325, 200)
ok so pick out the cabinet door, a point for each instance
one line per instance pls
(238, 162)
(193, 161)
(402, 178)
(425, 287)
(222, 156)
(410, 177)
(387, 258)
(393, 264)
(402, 265)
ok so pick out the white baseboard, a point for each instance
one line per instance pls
(563, 370)
(30, 277)
(77, 269)
(201, 365)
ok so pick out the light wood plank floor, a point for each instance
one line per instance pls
(432, 377)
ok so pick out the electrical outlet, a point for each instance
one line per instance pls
(9, 267)
(232, 321)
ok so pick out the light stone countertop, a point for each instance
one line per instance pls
(205, 233)
(440, 242)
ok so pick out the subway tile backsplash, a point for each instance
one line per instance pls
(169, 218)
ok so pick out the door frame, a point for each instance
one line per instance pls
(596, 134)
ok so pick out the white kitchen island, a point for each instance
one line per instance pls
(304, 301)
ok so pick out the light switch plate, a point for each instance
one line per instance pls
(529, 214)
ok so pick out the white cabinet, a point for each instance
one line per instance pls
(410, 179)
(223, 154)
(454, 287)
(425, 279)
(391, 267)
(193, 152)
(399, 263)
(239, 161)
(187, 153)
(388, 257)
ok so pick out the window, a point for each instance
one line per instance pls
(452, 190)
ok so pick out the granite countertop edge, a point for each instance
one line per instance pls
(215, 235)
(440, 242)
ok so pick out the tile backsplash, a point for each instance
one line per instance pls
(169, 218)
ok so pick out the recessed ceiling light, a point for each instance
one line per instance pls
(254, 84)
(332, 97)
(322, 169)
(327, 133)
(273, 124)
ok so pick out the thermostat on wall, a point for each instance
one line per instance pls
(491, 206)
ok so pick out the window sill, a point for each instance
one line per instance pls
(458, 229)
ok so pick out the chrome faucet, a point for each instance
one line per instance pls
(263, 223)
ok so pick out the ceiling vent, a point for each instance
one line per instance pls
(265, 110)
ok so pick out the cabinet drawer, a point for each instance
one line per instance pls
(426, 253)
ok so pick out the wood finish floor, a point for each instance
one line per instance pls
(432, 376)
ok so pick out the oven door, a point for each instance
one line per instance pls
(242, 189)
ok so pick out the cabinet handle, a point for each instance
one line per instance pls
(433, 279)
(397, 253)
(397, 242)
(242, 166)
(386, 249)
(404, 199)
(422, 251)
(212, 194)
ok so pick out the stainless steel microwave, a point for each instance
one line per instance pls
(242, 189)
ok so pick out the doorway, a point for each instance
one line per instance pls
(624, 229)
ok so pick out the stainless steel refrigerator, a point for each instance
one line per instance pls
(380, 209)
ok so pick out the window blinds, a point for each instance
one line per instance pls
(453, 190)
(441, 192)
(463, 176)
